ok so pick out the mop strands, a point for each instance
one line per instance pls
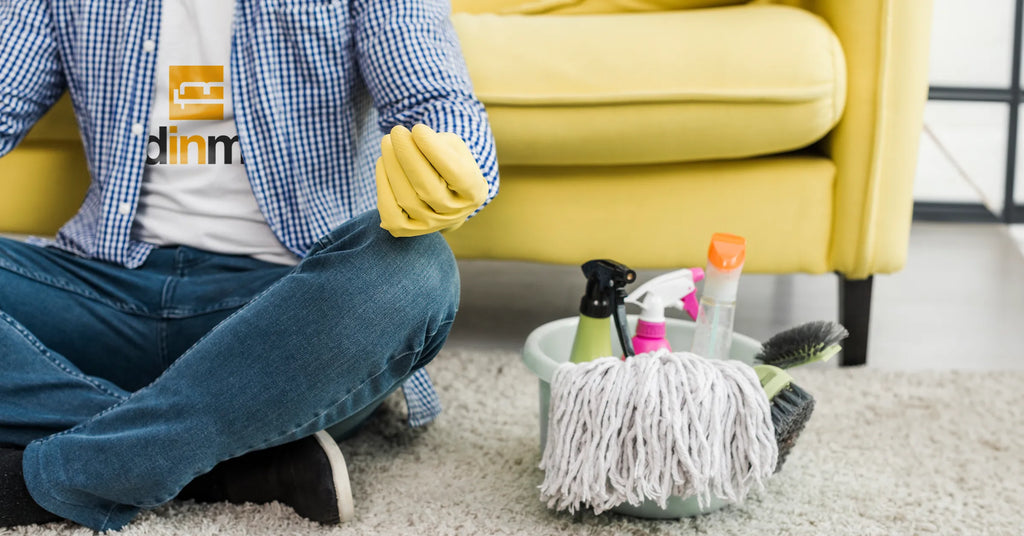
(653, 426)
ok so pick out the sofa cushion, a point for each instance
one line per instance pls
(536, 7)
(640, 88)
(782, 205)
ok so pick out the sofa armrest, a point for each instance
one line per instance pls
(875, 145)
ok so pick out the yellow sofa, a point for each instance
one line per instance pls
(629, 130)
(634, 129)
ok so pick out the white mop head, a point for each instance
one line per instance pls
(653, 426)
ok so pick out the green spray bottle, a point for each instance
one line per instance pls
(605, 297)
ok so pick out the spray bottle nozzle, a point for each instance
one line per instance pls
(606, 282)
(610, 273)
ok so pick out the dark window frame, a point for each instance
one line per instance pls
(1012, 96)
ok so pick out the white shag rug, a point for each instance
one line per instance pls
(885, 453)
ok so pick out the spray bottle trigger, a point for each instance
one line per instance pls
(690, 304)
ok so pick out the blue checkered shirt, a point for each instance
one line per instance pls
(316, 84)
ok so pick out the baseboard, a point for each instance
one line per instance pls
(954, 213)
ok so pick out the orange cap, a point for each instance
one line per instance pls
(727, 252)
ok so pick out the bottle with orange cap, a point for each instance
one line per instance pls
(713, 335)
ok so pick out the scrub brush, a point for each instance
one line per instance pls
(803, 344)
(791, 407)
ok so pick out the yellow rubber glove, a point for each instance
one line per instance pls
(426, 181)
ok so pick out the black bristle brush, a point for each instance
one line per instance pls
(803, 344)
(791, 408)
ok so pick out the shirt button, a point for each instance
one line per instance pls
(124, 209)
(138, 129)
(149, 45)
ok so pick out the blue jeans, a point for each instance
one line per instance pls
(124, 385)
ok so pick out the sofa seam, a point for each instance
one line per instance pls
(810, 93)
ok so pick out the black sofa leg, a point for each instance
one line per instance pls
(855, 314)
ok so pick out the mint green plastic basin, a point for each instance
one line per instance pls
(548, 346)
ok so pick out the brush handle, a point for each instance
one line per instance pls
(773, 379)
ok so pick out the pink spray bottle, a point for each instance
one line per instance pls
(677, 290)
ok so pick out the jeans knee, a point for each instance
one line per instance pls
(417, 274)
(429, 275)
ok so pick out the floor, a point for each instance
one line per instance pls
(958, 304)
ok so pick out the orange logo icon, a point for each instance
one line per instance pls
(196, 92)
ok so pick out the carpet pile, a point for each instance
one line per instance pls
(885, 453)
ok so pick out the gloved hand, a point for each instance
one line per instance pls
(426, 181)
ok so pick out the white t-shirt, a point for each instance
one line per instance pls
(195, 191)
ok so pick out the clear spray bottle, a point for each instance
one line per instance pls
(713, 335)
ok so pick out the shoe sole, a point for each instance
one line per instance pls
(339, 472)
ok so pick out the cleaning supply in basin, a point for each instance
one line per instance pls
(791, 408)
(803, 344)
(656, 425)
(713, 336)
(676, 289)
(791, 405)
(604, 298)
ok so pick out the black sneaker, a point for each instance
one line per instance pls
(308, 475)
(16, 505)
